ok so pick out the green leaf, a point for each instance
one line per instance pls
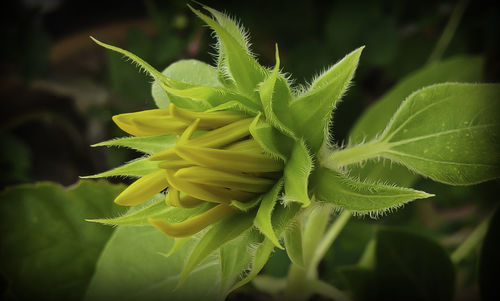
(375, 118)
(219, 234)
(275, 96)
(146, 144)
(131, 267)
(270, 139)
(243, 68)
(312, 111)
(361, 197)
(360, 282)
(412, 267)
(191, 72)
(263, 218)
(448, 132)
(293, 243)
(296, 174)
(48, 251)
(155, 208)
(136, 168)
(489, 260)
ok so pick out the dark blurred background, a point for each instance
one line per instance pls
(58, 90)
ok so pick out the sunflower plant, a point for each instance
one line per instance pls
(240, 159)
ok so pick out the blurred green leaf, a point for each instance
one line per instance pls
(132, 267)
(407, 267)
(48, 251)
(187, 71)
(489, 261)
(412, 267)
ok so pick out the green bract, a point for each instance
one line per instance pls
(246, 157)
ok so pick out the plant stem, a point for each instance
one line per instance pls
(354, 154)
(313, 234)
(449, 31)
(329, 238)
(471, 242)
(325, 289)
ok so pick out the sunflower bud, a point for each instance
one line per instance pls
(214, 160)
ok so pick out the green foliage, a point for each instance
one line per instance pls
(374, 119)
(458, 147)
(489, 261)
(48, 251)
(136, 270)
(398, 272)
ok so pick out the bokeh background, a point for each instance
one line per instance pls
(58, 90)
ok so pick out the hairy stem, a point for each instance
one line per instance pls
(449, 31)
(474, 239)
(354, 154)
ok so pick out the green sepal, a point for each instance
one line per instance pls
(235, 257)
(263, 218)
(233, 105)
(270, 139)
(238, 33)
(296, 174)
(275, 96)
(243, 68)
(178, 243)
(146, 144)
(293, 242)
(245, 206)
(334, 188)
(136, 168)
(222, 232)
(155, 208)
(312, 111)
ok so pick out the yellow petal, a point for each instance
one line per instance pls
(173, 199)
(186, 135)
(150, 122)
(213, 177)
(207, 193)
(143, 189)
(223, 136)
(208, 120)
(248, 145)
(228, 160)
(194, 224)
